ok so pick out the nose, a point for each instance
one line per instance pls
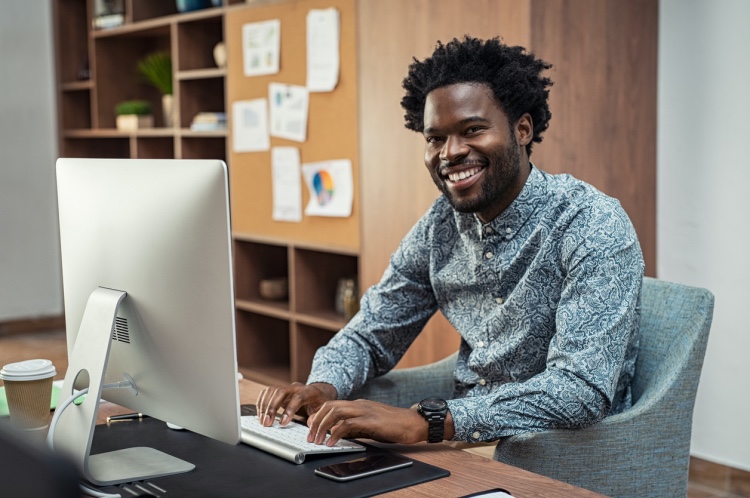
(454, 149)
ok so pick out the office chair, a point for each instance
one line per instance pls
(643, 451)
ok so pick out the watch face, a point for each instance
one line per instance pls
(433, 404)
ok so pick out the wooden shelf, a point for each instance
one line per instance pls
(77, 86)
(197, 74)
(278, 309)
(324, 319)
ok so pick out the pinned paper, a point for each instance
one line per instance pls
(289, 105)
(250, 125)
(331, 188)
(261, 46)
(322, 49)
(287, 186)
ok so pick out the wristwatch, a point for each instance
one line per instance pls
(434, 410)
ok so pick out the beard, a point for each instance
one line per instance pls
(500, 177)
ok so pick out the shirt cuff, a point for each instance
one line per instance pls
(341, 391)
(465, 425)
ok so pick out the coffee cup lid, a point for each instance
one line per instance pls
(28, 370)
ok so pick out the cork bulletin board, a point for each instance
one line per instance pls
(332, 129)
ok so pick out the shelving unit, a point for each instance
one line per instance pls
(297, 325)
(96, 69)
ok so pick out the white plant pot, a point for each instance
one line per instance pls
(133, 122)
(167, 105)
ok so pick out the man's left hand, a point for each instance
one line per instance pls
(366, 419)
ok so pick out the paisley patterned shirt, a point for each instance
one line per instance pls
(546, 298)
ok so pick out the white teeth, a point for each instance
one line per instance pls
(454, 177)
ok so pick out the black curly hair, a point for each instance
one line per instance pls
(513, 75)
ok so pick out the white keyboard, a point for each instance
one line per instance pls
(290, 441)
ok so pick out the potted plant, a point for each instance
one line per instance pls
(156, 69)
(134, 114)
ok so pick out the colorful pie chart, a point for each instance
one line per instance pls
(323, 185)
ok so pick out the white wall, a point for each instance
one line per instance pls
(703, 201)
(30, 280)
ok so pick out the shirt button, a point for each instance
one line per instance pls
(488, 230)
(499, 300)
(476, 435)
(482, 382)
(508, 231)
(480, 344)
(488, 255)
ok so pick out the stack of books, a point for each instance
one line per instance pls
(108, 14)
(209, 121)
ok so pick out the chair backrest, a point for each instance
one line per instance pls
(645, 450)
(675, 321)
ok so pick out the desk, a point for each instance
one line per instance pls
(469, 473)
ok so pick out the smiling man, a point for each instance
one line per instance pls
(540, 274)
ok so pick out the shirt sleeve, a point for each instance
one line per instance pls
(595, 339)
(392, 314)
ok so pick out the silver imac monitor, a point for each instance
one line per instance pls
(148, 290)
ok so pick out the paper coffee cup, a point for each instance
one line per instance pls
(28, 388)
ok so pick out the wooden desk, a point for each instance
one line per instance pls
(469, 473)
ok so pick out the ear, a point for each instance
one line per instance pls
(524, 130)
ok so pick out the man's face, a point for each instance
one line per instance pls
(471, 151)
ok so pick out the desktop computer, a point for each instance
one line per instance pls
(149, 303)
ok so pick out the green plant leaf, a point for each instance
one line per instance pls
(138, 107)
(156, 68)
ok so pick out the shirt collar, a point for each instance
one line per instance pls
(513, 218)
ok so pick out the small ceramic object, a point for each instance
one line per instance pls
(274, 288)
(220, 54)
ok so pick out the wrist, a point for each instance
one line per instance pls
(435, 412)
(328, 390)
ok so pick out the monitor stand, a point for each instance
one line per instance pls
(75, 428)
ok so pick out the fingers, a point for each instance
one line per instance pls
(336, 417)
(289, 398)
(362, 418)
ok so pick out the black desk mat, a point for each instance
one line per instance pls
(223, 470)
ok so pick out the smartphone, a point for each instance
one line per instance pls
(362, 467)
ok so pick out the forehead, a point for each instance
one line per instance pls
(459, 102)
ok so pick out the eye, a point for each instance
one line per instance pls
(431, 139)
(473, 129)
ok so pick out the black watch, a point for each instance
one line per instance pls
(434, 410)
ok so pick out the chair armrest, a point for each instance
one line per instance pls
(631, 439)
(404, 387)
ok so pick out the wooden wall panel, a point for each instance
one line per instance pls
(396, 189)
(603, 102)
(331, 131)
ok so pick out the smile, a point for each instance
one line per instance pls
(462, 175)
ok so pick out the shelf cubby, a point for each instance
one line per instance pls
(263, 347)
(317, 274)
(196, 41)
(256, 261)
(75, 109)
(305, 342)
(200, 95)
(203, 147)
(72, 27)
(143, 10)
(118, 78)
(118, 148)
(154, 147)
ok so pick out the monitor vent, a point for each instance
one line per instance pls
(120, 332)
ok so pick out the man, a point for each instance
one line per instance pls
(540, 274)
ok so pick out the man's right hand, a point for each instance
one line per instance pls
(291, 398)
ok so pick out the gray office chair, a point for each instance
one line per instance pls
(644, 451)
